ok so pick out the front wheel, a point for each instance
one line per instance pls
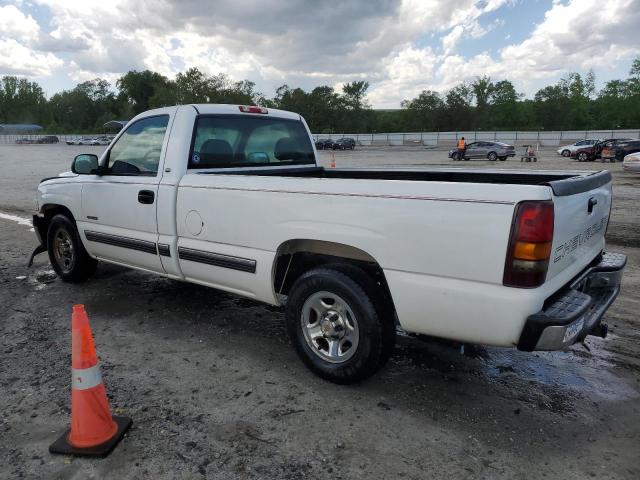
(67, 255)
(566, 153)
(337, 326)
(493, 156)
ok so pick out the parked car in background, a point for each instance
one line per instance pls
(344, 143)
(568, 149)
(83, 141)
(616, 153)
(48, 139)
(25, 141)
(490, 150)
(324, 144)
(631, 162)
(104, 140)
(590, 153)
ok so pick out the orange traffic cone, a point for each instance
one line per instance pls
(93, 432)
(333, 160)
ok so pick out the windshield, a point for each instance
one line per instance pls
(227, 141)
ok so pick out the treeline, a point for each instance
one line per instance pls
(482, 104)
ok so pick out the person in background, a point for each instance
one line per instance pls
(462, 146)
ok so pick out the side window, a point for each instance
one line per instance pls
(137, 151)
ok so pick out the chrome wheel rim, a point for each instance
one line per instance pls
(63, 250)
(329, 326)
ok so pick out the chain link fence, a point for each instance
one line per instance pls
(29, 139)
(449, 139)
(428, 139)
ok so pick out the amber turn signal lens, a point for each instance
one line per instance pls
(532, 251)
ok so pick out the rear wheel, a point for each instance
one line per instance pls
(67, 255)
(339, 328)
(583, 157)
(502, 159)
(493, 156)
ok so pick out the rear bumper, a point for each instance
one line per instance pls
(577, 310)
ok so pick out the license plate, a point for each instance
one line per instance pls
(573, 330)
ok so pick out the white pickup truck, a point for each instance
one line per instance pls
(232, 197)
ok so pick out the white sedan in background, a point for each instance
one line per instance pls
(567, 150)
(631, 162)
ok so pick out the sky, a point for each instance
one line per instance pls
(400, 47)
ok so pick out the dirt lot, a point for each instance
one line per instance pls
(216, 391)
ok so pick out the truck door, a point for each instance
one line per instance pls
(119, 222)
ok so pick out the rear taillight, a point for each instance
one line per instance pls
(252, 109)
(529, 244)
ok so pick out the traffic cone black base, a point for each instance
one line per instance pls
(62, 445)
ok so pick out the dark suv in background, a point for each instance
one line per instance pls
(344, 144)
(324, 144)
(48, 139)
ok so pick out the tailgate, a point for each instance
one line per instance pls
(581, 206)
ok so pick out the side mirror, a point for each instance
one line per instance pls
(85, 164)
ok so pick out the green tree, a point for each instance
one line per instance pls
(504, 110)
(482, 88)
(146, 89)
(424, 112)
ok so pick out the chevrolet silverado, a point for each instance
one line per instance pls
(232, 197)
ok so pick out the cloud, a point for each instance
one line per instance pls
(18, 33)
(16, 25)
(392, 44)
(16, 59)
(450, 40)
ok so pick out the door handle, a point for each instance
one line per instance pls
(146, 197)
(592, 203)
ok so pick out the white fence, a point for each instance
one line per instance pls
(543, 138)
(444, 139)
(37, 138)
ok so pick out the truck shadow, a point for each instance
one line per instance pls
(423, 372)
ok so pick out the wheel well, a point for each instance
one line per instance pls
(49, 211)
(295, 257)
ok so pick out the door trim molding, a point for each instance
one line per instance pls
(123, 242)
(217, 259)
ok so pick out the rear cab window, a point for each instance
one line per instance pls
(233, 141)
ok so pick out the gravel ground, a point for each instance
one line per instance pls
(216, 391)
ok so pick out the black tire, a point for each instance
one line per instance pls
(371, 315)
(565, 153)
(67, 255)
(502, 159)
(492, 156)
(582, 157)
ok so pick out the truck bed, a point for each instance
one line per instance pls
(562, 182)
